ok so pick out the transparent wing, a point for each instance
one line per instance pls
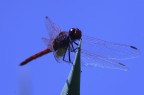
(93, 60)
(58, 54)
(48, 43)
(53, 31)
(52, 28)
(107, 49)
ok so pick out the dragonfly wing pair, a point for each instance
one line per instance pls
(100, 53)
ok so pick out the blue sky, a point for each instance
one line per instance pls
(22, 27)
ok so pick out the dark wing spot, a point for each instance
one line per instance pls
(122, 64)
(46, 17)
(134, 47)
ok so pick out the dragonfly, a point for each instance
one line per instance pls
(94, 52)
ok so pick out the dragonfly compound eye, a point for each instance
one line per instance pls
(75, 33)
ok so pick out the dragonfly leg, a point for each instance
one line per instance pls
(70, 49)
(75, 43)
(64, 55)
(74, 49)
(69, 53)
(69, 59)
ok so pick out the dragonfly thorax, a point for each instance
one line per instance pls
(61, 41)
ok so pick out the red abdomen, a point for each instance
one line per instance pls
(35, 56)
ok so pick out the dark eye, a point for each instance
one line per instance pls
(72, 30)
(74, 33)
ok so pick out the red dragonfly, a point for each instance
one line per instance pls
(95, 52)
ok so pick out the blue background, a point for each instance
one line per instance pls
(22, 27)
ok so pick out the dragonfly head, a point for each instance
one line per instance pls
(75, 34)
